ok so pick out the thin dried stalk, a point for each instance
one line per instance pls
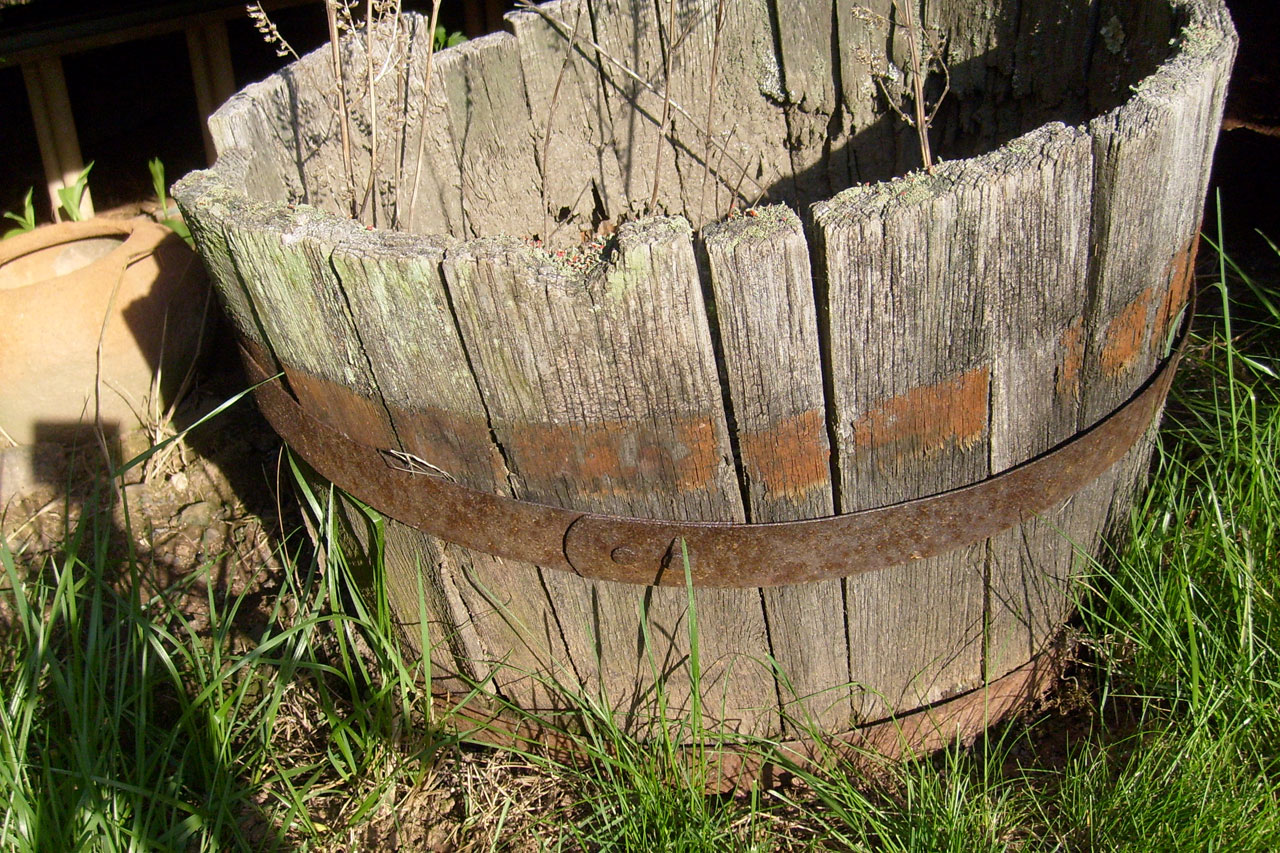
(665, 127)
(402, 108)
(426, 99)
(923, 120)
(268, 30)
(371, 190)
(922, 123)
(331, 13)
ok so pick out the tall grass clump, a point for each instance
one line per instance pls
(1190, 614)
(124, 725)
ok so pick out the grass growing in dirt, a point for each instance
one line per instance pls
(123, 725)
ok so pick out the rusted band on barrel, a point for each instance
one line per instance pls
(648, 551)
(739, 766)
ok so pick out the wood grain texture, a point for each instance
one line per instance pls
(577, 164)
(397, 298)
(768, 330)
(493, 135)
(206, 202)
(910, 365)
(744, 158)
(1035, 256)
(604, 396)
(952, 325)
(815, 126)
(804, 32)
(863, 28)
(629, 32)
(1162, 137)
(429, 200)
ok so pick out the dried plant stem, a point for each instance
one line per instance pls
(331, 12)
(426, 100)
(923, 120)
(371, 190)
(711, 100)
(402, 109)
(665, 127)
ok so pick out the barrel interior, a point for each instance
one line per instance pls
(568, 133)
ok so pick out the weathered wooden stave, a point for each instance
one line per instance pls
(409, 322)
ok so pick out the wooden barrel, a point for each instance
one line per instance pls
(632, 261)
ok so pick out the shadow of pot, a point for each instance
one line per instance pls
(129, 289)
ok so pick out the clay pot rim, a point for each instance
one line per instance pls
(141, 238)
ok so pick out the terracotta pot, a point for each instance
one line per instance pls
(132, 284)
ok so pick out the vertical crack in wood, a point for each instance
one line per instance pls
(512, 484)
(816, 243)
(722, 371)
(327, 258)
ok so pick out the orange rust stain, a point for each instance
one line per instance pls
(1182, 268)
(616, 457)
(926, 419)
(1125, 335)
(1071, 346)
(791, 458)
(337, 406)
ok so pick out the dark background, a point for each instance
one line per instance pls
(136, 100)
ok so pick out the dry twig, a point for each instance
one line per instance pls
(331, 13)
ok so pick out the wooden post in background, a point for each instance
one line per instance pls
(55, 130)
(211, 72)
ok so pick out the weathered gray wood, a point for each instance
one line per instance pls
(1143, 237)
(804, 36)
(431, 183)
(218, 198)
(981, 38)
(1047, 67)
(397, 298)
(744, 156)
(603, 394)
(1036, 258)
(629, 32)
(1161, 138)
(252, 121)
(282, 262)
(1128, 43)
(965, 321)
(700, 176)
(493, 135)
(804, 45)
(910, 365)
(863, 29)
(576, 161)
(759, 269)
